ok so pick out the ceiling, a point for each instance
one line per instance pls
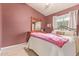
(50, 8)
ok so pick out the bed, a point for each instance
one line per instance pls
(45, 48)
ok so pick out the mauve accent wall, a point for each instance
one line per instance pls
(16, 21)
(50, 17)
(0, 26)
(78, 24)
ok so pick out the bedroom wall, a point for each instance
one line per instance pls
(50, 17)
(0, 26)
(16, 21)
(78, 24)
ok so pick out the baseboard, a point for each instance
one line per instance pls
(22, 45)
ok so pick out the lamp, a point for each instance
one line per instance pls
(47, 4)
(48, 25)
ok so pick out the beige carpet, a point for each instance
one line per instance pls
(14, 52)
(19, 51)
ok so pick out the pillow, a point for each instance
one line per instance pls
(54, 32)
(69, 33)
(64, 32)
(58, 32)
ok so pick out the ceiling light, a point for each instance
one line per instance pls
(46, 3)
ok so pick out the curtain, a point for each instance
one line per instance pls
(54, 22)
(72, 22)
(73, 19)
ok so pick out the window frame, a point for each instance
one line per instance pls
(63, 19)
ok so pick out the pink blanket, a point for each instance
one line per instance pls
(52, 38)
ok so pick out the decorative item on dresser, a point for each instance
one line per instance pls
(48, 28)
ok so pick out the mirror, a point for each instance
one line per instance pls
(36, 24)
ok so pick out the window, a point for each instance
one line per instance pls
(36, 26)
(33, 26)
(67, 21)
(61, 22)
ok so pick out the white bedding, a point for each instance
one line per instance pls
(44, 48)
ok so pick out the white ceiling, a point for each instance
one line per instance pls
(47, 9)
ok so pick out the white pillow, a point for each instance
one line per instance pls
(69, 33)
(66, 32)
(58, 32)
